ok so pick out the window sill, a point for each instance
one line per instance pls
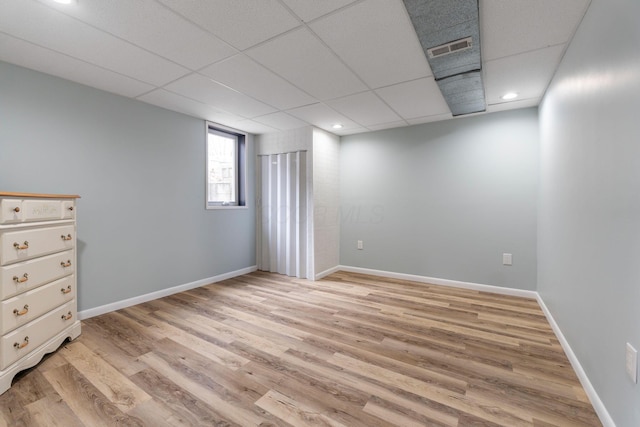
(226, 207)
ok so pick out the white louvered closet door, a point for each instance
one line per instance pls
(282, 240)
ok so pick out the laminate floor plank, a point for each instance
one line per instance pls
(186, 409)
(123, 333)
(269, 350)
(401, 415)
(355, 385)
(316, 389)
(101, 344)
(330, 381)
(263, 320)
(188, 322)
(188, 370)
(52, 411)
(234, 333)
(85, 400)
(215, 351)
(293, 412)
(113, 384)
(202, 388)
(156, 414)
(27, 392)
(14, 412)
(287, 342)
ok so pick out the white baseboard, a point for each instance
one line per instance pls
(327, 272)
(443, 282)
(96, 311)
(598, 405)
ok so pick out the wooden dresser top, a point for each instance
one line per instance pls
(48, 196)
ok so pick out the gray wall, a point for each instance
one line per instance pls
(142, 225)
(326, 202)
(589, 219)
(445, 199)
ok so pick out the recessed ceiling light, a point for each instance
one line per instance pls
(510, 95)
(337, 126)
(63, 1)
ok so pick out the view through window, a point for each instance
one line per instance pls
(225, 167)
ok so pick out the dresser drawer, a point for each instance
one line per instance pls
(20, 277)
(68, 209)
(22, 309)
(41, 210)
(23, 340)
(10, 211)
(26, 244)
(29, 210)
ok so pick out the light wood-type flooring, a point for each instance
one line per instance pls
(269, 350)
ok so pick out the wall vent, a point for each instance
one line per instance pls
(451, 47)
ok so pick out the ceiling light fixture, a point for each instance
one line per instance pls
(337, 126)
(63, 1)
(510, 95)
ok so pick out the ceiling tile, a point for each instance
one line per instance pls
(41, 25)
(303, 60)
(514, 26)
(413, 99)
(391, 125)
(205, 90)
(174, 102)
(245, 75)
(161, 31)
(350, 131)
(323, 117)
(280, 120)
(528, 74)
(377, 40)
(37, 58)
(512, 105)
(430, 119)
(241, 23)
(309, 10)
(251, 126)
(364, 108)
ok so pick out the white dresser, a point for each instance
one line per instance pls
(37, 279)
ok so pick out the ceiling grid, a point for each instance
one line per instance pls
(269, 65)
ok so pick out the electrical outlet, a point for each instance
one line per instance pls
(507, 259)
(360, 246)
(632, 363)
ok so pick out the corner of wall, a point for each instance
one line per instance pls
(326, 202)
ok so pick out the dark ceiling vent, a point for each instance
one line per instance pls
(451, 47)
(449, 32)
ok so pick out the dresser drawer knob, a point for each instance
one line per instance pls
(22, 312)
(25, 343)
(67, 316)
(19, 246)
(22, 279)
(66, 264)
(67, 237)
(66, 291)
(16, 209)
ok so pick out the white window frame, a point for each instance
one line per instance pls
(240, 178)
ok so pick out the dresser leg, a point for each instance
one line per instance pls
(5, 381)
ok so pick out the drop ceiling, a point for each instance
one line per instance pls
(268, 65)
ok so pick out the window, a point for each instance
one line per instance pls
(226, 167)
